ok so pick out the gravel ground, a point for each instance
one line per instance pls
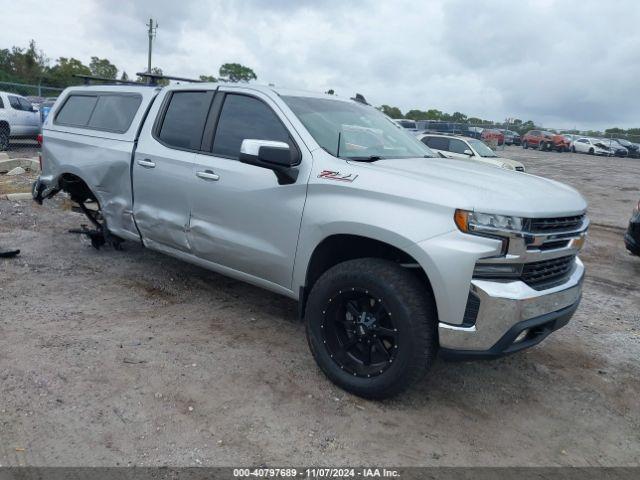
(133, 358)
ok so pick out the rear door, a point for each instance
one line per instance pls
(163, 168)
(241, 217)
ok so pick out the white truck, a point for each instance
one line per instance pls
(393, 253)
(18, 119)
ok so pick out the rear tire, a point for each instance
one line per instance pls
(372, 327)
(573, 149)
(591, 151)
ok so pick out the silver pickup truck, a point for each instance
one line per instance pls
(394, 253)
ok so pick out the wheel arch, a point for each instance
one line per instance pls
(340, 247)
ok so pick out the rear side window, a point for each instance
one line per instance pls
(77, 110)
(104, 112)
(114, 112)
(437, 143)
(244, 117)
(184, 120)
(25, 105)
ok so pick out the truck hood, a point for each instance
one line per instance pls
(470, 185)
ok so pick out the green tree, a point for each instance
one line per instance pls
(393, 112)
(156, 71)
(459, 117)
(234, 72)
(62, 74)
(101, 67)
(208, 78)
(330, 92)
(124, 77)
(416, 115)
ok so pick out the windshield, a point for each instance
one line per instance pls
(481, 148)
(362, 131)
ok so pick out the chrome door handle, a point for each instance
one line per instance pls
(208, 175)
(146, 163)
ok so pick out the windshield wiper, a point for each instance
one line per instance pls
(372, 158)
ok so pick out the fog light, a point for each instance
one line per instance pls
(523, 334)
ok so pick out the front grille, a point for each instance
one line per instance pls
(552, 225)
(547, 273)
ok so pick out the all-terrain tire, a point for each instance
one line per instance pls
(411, 305)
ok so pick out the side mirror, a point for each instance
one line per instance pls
(271, 155)
(468, 152)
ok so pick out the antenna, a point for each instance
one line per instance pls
(152, 34)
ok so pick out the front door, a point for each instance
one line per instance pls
(163, 169)
(241, 217)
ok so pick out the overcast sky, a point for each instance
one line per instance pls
(560, 63)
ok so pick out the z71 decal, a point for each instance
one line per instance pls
(331, 175)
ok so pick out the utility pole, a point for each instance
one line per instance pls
(152, 34)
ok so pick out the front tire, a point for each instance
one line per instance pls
(372, 327)
(525, 145)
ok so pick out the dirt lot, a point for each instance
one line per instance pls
(123, 358)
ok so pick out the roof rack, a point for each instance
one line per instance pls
(154, 77)
(359, 98)
(87, 80)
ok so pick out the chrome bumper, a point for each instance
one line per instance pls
(507, 309)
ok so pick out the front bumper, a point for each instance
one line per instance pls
(506, 310)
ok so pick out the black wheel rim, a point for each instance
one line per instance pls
(359, 333)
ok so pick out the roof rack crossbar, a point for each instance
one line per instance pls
(87, 80)
(154, 77)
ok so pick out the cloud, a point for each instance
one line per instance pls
(562, 63)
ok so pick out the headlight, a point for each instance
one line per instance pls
(470, 222)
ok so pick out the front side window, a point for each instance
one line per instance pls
(25, 105)
(184, 120)
(1, 103)
(457, 146)
(244, 117)
(351, 130)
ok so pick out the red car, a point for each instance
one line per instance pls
(545, 141)
(489, 135)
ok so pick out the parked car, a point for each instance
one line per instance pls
(511, 137)
(616, 148)
(468, 148)
(492, 135)
(592, 146)
(475, 132)
(393, 253)
(633, 149)
(18, 119)
(543, 140)
(632, 236)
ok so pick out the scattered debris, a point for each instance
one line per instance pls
(16, 171)
(133, 360)
(9, 253)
